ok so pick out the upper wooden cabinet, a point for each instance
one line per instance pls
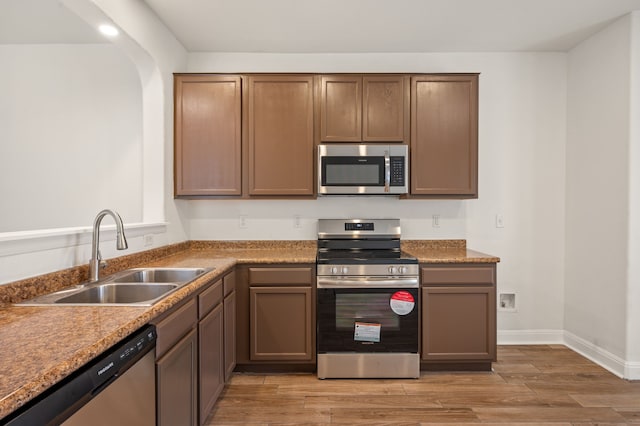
(370, 108)
(444, 135)
(279, 120)
(207, 135)
(254, 136)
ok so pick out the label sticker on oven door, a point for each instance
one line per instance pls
(367, 332)
(402, 302)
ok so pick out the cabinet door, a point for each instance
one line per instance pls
(211, 360)
(207, 135)
(281, 327)
(176, 375)
(229, 335)
(385, 108)
(458, 323)
(444, 135)
(280, 135)
(341, 108)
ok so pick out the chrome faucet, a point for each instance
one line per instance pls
(121, 243)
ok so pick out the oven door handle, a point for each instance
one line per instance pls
(368, 282)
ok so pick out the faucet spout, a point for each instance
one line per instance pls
(121, 242)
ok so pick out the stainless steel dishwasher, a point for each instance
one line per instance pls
(118, 388)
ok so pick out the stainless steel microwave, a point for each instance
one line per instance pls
(352, 169)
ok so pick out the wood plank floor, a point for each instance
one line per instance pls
(530, 385)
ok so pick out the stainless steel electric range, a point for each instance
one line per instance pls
(367, 301)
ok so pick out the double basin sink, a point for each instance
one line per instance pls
(132, 287)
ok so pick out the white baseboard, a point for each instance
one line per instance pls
(602, 357)
(530, 337)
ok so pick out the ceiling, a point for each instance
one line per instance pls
(43, 22)
(339, 26)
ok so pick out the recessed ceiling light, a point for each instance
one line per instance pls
(108, 30)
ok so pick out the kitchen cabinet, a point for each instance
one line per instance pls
(280, 323)
(207, 135)
(177, 367)
(459, 315)
(280, 135)
(276, 317)
(229, 285)
(444, 136)
(210, 348)
(364, 108)
(195, 353)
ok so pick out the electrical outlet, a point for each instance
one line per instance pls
(148, 240)
(296, 221)
(242, 221)
(435, 221)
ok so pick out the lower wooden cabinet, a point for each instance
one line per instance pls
(459, 314)
(177, 366)
(229, 335)
(275, 317)
(195, 354)
(281, 328)
(458, 323)
(211, 359)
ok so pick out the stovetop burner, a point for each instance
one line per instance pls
(371, 257)
(361, 242)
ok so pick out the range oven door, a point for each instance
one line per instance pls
(367, 320)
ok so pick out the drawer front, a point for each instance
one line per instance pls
(280, 276)
(229, 283)
(209, 299)
(462, 274)
(175, 326)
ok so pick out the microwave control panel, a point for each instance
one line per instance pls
(397, 171)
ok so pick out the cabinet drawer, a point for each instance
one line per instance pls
(176, 325)
(463, 274)
(229, 283)
(209, 298)
(279, 276)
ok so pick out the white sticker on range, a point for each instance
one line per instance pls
(366, 332)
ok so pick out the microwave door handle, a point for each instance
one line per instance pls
(387, 171)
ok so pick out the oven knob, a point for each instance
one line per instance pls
(334, 270)
(392, 270)
(345, 270)
(402, 270)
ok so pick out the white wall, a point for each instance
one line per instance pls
(155, 54)
(521, 175)
(597, 202)
(633, 301)
(71, 135)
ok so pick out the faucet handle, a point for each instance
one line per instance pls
(101, 263)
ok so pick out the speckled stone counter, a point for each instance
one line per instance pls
(42, 345)
(445, 251)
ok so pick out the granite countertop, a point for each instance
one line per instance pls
(43, 345)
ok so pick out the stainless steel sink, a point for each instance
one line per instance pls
(119, 293)
(159, 275)
(132, 287)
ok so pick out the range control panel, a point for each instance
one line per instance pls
(359, 226)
